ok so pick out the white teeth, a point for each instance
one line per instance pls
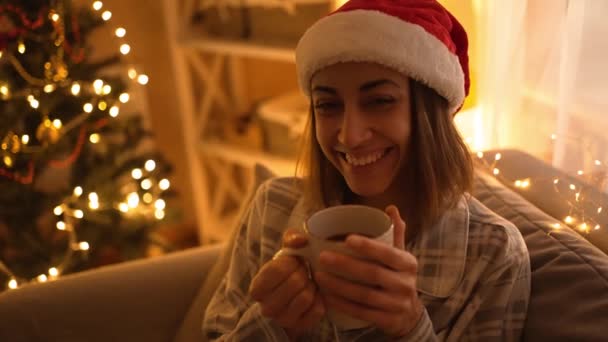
(366, 160)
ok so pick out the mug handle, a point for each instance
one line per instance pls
(305, 253)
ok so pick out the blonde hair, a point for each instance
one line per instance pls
(439, 169)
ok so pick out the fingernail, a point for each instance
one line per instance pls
(354, 241)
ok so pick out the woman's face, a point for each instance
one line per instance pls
(363, 124)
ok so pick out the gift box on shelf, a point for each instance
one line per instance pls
(272, 22)
(283, 119)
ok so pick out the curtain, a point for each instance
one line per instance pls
(543, 79)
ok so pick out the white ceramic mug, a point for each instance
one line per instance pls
(327, 229)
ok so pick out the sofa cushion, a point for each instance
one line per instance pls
(191, 326)
(569, 298)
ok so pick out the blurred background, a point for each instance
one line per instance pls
(214, 83)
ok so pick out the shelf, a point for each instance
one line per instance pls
(282, 166)
(259, 49)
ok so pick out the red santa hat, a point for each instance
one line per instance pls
(418, 38)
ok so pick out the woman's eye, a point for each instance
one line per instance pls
(382, 101)
(324, 107)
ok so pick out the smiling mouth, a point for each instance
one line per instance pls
(366, 159)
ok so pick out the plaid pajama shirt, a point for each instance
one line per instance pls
(473, 275)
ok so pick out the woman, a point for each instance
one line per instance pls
(384, 79)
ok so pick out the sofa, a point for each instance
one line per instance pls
(163, 298)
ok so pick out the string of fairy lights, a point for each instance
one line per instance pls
(81, 202)
(574, 195)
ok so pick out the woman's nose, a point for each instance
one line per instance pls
(354, 129)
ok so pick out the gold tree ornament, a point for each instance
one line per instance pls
(11, 143)
(47, 133)
(56, 69)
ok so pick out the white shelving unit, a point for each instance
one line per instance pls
(220, 173)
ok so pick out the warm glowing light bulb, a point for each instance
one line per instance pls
(114, 111)
(53, 272)
(164, 184)
(12, 284)
(34, 103)
(132, 73)
(42, 278)
(25, 139)
(75, 88)
(78, 213)
(480, 155)
(150, 165)
(572, 187)
(599, 210)
(106, 89)
(133, 200)
(57, 123)
(21, 48)
(84, 246)
(58, 210)
(93, 197)
(102, 105)
(496, 171)
(569, 219)
(88, 108)
(146, 184)
(555, 181)
(49, 88)
(123, 207)
(136, 173)
(107, 15)
(4, 90)
(597, 227)
(97, 5)
(61, 225)
(120, 32)
(94, 138)
(598, 163)
(142, 79)
(557, 226)
(77, 191)
(159, 214)
(580, 172)
(124, 97)
(55, 17)
(583, 227)
(160, 204)
(498, 156)
(125, 49)
(148, 198)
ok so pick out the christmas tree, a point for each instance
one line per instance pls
(81, 184)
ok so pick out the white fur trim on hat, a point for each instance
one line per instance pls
(372, 36)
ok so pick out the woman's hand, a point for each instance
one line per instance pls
(384, 291)
(286, 293)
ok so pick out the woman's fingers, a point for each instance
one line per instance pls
(294, 238)
(391, 257)
(399, 226)
(276, 301)
(292, 313)
(272, 274)
(358, 270)
(365, 295)
(315, 312)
